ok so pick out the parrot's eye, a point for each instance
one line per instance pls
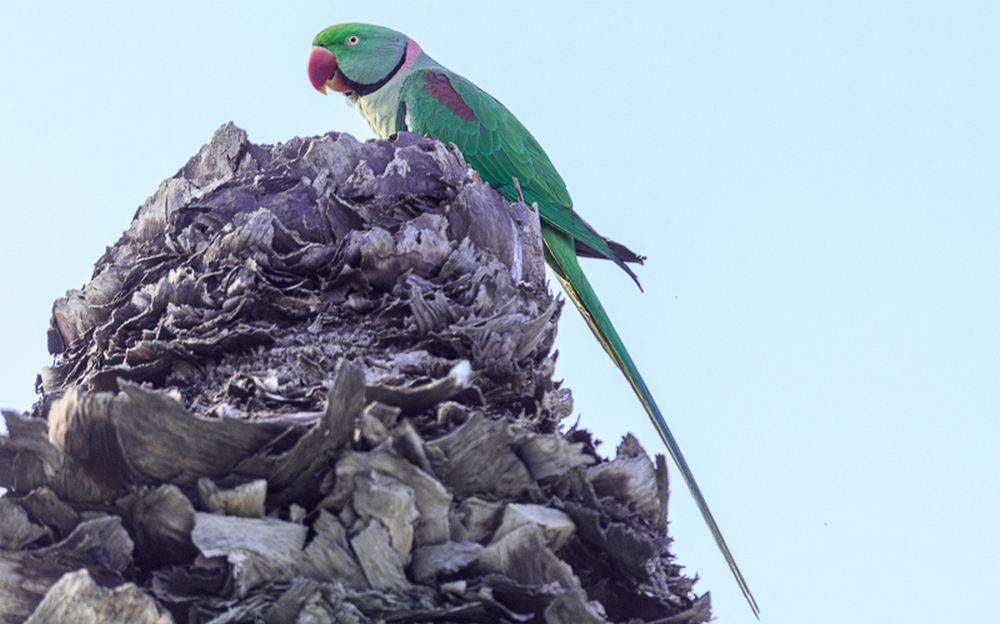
(352, 40)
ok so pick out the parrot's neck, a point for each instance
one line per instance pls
(380, 107)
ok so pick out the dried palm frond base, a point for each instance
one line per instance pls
(313, 383)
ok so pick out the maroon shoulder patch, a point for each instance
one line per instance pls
(439, 87)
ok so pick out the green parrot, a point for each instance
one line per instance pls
(397, 87)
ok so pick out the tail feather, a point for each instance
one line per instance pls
(561, 256)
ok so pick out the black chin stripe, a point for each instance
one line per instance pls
(360, 88)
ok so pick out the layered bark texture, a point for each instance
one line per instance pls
(313, 383)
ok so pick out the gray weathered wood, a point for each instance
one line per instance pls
(246, 500)
(16, 530)
(260, 550)
(459, 458)
(379, 560)
(77, 598)
(313, 382)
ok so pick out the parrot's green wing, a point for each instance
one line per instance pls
(495, 143)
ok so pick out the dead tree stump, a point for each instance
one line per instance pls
(313, 383)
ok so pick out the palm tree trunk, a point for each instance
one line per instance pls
(313, 382)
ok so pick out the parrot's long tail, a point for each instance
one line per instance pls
(560, 253)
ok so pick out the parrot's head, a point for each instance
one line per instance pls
(357, 58)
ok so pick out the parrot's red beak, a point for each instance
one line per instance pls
(323, 71)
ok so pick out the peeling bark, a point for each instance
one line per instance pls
(313, 382)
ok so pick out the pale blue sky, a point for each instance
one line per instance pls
(816, 186)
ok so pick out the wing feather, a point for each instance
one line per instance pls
(499, 147)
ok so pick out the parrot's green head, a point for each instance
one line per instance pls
(358, 58)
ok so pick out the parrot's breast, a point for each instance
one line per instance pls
(380, 108)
